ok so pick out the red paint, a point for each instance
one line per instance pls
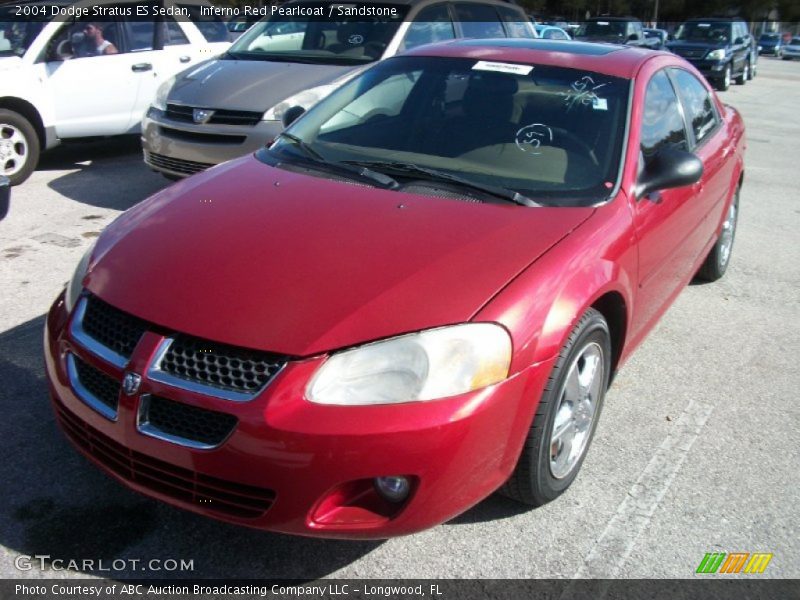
(313, 265)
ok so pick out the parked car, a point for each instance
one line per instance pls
(721, 49)
(233, 105)
(417, 295)
(550, 32)
(615, 30)
(660, 35)
(238, 25)
(771, 43)
(57, 83)
(5, 196)
(792, 49)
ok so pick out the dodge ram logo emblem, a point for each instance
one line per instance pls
(131, 383)
(201, 115)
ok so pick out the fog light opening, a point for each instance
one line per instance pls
(394, 488)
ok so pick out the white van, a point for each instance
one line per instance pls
(67, 73)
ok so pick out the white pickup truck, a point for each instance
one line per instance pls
(66, 72)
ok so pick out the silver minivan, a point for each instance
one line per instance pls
(234, 104)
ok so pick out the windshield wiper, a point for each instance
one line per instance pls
(436, 175)
(360, 171)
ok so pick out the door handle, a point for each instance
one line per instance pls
(141, 67)
(185, 59)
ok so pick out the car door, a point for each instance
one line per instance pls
(667, 222)
(91, 94)
(711, 143)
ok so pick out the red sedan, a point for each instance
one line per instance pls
(416, 296)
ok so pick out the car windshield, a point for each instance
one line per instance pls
(16, 35)
(795, 42)
(704, 32)
(551, 134)
(602, 28)
(769, 37)
(353, 34)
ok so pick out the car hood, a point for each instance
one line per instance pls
(260, 257)
(252, 85)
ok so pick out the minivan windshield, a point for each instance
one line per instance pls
(322, 33)
(706, 32)
(16, 34)
(552, 134)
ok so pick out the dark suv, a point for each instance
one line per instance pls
(616, 30)
(722, 49)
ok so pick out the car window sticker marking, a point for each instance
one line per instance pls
(485, 65)
(356, 39)
(529, 138)
(582, 91)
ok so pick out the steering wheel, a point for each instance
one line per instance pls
(574, 142)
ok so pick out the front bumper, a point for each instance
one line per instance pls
(711, 69)
(180, 149)
(298, 467)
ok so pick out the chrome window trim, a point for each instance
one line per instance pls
(154, 373)
(83, 394)
(79, 334)
(144, 427)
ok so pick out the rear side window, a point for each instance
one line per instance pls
(697, 104)
(479, 21)
(173, 34)
(662, 122)
(212, 27)
(516, 24)
(432, 24)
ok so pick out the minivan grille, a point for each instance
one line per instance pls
(176, 165)
(178, 112)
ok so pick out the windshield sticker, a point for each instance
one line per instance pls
(356, 39)
(600, 104)
(483, 65)
(529, 139)
(583, 92)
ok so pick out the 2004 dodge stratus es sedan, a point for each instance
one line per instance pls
(416, 296)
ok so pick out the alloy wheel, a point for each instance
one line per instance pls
(14, 151)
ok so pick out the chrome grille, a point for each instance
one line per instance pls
(179, 112)
(227, 368)
(93, 387)
(114, 329)
(184, 424)
(176, 165)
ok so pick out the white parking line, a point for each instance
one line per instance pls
(615, 544)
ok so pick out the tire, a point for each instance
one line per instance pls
(537, 478)
(744, 76)
(19, 147)
(753, 70)
(719, 257)
(725, 83)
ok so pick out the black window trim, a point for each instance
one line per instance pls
(693, 143)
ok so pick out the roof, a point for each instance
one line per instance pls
(609, 59)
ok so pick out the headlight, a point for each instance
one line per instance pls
(422, 366)
(160, 101)
(75, 285)
(718, 54)
(306, 99)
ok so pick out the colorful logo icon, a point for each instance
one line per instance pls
(734, 562)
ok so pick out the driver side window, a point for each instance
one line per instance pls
(85, 38)
(662, 122)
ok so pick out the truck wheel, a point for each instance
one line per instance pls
(19, 147)
(744, 75)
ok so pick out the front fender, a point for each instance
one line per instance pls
(541, 305)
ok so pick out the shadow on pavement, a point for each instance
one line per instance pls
(107, 173)
(57, 504)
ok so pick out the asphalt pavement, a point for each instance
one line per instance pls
(698, 448)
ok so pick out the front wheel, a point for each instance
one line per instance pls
(717, 261)
(19, 147)
(744, 76)
(724, 83)
(567, 415)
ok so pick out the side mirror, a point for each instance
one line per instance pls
(633, 37)
(291, 115)
(669, 168)
(5, 195)
(738, 41)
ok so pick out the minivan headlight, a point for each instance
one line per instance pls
(306, 99)
(428, 365)
(160, 101)
(75, 285)
(717, 54)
